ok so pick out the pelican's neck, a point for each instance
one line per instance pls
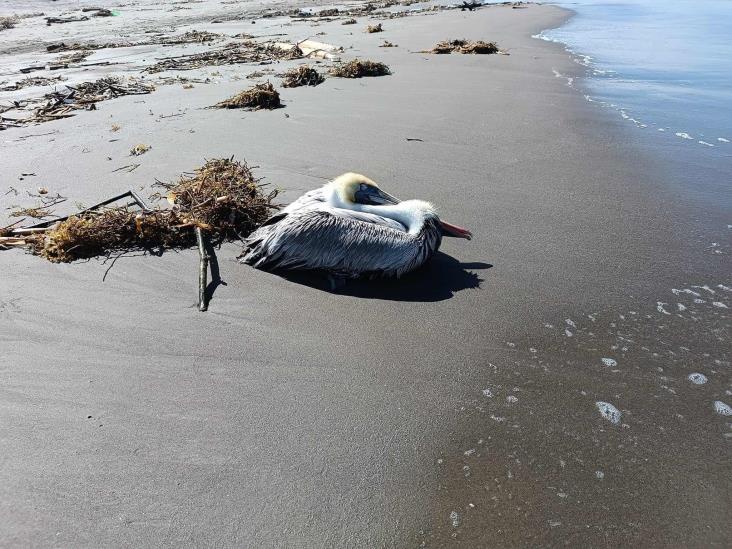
(410, 213)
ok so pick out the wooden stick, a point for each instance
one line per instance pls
(202, 270)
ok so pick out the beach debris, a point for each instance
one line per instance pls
(231, 54)
(64, 103)
(74, 57)
(358, 69)
(470, 6)
(190, 37)
(58, 20)
(202, 242)
(260, 96)
(388, 44)
(464, 47)
(259, 74)
(222, 198)
(349, 22)
(139, 149)
(115, 128)
(36, 213)
(374, 28)
(32, 81)
(312, 49)
(98, 12)
(303, 75)
(8, 22)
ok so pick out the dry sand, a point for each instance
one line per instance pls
(456, 405)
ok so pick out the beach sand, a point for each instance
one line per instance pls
(458, 405)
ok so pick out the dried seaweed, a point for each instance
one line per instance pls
(358, 69)
(261, 96)
(465, 47)
(349, 22)
(31, 82)
(374, 28)
(222, 197)
(388, 44)
(303, 75)
(62, 104)
(231, 54)
(8, 22)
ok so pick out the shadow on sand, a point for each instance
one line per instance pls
(439, 279)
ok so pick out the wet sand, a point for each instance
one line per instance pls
(455, 406)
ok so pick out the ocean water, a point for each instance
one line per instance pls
(665, 66)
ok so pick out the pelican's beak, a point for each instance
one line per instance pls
(385, 198)
(448, 229)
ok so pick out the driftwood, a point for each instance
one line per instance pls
(202, 241)
(51, 20)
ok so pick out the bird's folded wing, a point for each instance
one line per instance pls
(335, 240)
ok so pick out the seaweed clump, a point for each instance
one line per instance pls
(222, 198)
(465, 47)
(303, 75)
(260, 96)
(358, 69)
(8, 22)
(374, 28)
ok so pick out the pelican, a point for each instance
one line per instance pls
(349, 228)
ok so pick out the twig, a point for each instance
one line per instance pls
(202, 270)
(94, 207)
(112, 265)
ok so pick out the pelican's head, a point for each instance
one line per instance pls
(350, 189)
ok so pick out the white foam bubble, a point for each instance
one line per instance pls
(660, 309)
(681, 307)
(600, 475)
(685, 291)
(723, 287)
(705, 143)
(722, 409)
(683, 135)
(469, 452)
(487, 393)
(697, 379)
(609, 362)
(720, 305)
(568, 333)
(722, 140)
(570, 322)
(511, 399)
(609, 412)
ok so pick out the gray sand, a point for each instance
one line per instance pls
(290, 416)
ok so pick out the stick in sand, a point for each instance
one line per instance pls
(202, 270)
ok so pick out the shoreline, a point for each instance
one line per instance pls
(355, 428)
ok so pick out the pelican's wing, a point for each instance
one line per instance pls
(340, 241)
(311, 199)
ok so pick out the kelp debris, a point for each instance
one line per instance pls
(222, 198)
(8, 22)
(260, 96)
(231, 54)
(303, 75)
(374, 28)
(465, 47)
(358, 68)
